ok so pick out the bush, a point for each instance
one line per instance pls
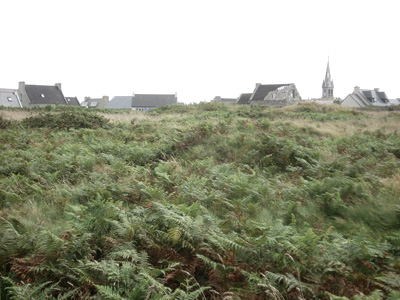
(4, 123)
(67, 120)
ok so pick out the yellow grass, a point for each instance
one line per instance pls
(17, 114)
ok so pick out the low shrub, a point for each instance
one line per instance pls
(4, 123)
(67, 120)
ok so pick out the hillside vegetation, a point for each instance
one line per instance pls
(200, 202)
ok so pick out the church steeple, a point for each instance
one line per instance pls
(327, 85)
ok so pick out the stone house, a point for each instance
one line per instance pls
(364, 97)
(41, 95)
(142, 102)
(9, 98)
(95, 102)
(277, 95)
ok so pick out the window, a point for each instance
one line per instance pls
(9, 99)
(42, 95)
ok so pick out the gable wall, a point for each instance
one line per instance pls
(23, 96)
(349, 102)
(5, 94)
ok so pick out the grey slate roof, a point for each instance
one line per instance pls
(120, 102)
(44, 94)
(262, 91)
(368, 95)
(375, 97)
(8, 98)
(141, 101)
(383, 97)
(152, 100)
(244, 98)
(72, 101)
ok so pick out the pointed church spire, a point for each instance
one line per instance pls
(327, 85)
(328, 71)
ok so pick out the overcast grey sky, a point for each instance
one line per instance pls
(199, 49)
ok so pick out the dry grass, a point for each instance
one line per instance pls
(17, 114)
(122, 118)
(388, 122)
(114, 118)
(349, 128)
(393, 183)
(385, 121)
(129, 116)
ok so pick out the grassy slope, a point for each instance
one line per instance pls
(200, 201)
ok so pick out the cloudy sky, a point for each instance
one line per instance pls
(199, 49)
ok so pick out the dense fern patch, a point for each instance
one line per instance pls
(67, 120)
(202, 201)
(4, 123)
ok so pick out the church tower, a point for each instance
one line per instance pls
(327, 85)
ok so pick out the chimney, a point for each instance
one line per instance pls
(376, 89)
(133, 94)
(176, 95)
(356, 89)
(21, 85)
(87, 98)
(58, 85)
(106, 98)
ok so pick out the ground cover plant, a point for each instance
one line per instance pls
(200, 201)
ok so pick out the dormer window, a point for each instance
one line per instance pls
(9, 99)
(42, 95)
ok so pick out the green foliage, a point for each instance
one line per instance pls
(201, 201)
(4, 123)
(67, 120)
